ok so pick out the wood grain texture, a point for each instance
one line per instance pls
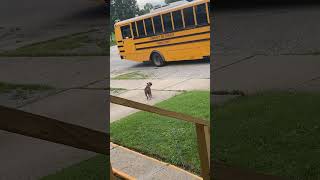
(36, 126)
(159, 111)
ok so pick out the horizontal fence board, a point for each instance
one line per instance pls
(159, 111)
(36, 126)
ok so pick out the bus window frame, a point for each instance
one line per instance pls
(163, 32)
(157, 33)
(154, 29)
(123, 38)
(184, 23)
(171, 22)
(173, 29)
(208, 11)
(141, 36)
(191, 26)
(196, 15)
(183, 28)
(148, 35)
(137, 33)
(145, 29)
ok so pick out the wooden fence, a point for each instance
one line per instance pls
(40, 127)
(202, 129)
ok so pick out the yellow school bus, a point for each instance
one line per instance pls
(179, 31)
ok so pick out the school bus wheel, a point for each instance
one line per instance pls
(157, 59)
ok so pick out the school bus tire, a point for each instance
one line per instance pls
(157, 59)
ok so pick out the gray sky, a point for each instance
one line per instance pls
(143, 2)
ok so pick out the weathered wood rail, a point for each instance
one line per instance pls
(40, 127)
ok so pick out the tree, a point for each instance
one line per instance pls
(122, 10)
(146, 9)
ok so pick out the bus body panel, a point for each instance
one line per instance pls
(186, 44)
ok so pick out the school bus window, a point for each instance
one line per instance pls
(177, 20)
(149, 27)
(189, 17)
(141, 28)
(134, 29)
(167, 22)
(201, 13)
(157, 24)
(126, 32)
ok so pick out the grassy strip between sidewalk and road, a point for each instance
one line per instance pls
(69, 45)
(168, 139)
(117, 90)
(9, 87)
(131, 75)
(92, 169)
(112, 39)
(271, 133)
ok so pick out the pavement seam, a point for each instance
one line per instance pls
(55, 93)
(305, 82)
(236, 62)
(178, 83)
(155, 160)
(149, 175)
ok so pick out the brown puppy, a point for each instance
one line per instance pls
(147, 91)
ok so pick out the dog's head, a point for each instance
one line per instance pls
(149, 84)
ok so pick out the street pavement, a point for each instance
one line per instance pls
(266, 48)
(73, 101)
(26, 22)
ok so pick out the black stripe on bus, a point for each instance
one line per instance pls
(173, 37)
(122, 51)
(120, 46)
(119, 41)
(187, 42)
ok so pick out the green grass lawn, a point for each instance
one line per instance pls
(112, 39)
(8, 87)
(168, 139)
(96, 168)
(62, 46)
(131, 75)
(274, 133)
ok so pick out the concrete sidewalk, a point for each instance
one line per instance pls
(176, 84)
(162, 89)
(136, 164)
(143, 168)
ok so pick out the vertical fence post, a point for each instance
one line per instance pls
(112, 177)
(207, 134)
(203, 151)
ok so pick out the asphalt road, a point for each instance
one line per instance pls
(24, 22)
(183, 69)
(266, 48)
(267, 30)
